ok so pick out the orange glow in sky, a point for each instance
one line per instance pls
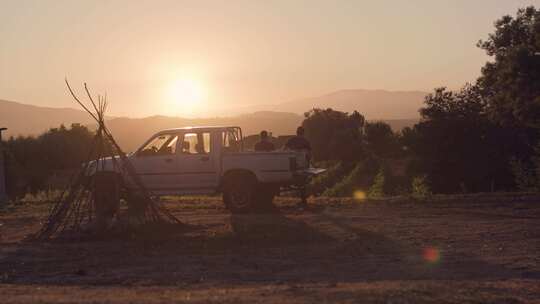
(250, 52)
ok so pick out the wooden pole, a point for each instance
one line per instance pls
(3, 194)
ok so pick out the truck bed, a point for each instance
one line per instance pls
(269, 167)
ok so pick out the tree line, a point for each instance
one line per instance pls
(33, 162)
(484, 137)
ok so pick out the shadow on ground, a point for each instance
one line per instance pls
(272, 247)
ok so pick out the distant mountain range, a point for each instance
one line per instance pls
(399, 109)
(31, 120)
(373, 104)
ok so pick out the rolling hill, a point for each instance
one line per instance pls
(24, 119)
(373, 104)
(399, 109)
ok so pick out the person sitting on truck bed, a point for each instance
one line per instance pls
(298, 142)
(264, 144)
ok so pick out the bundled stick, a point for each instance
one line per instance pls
(92, 199)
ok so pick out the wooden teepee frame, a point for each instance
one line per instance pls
(78, 205)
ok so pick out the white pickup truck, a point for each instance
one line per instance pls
(209, 160)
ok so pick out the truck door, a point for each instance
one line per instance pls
(197, 162)
(156, 162)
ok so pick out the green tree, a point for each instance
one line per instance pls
(335, 135)
(457, 144)
(380, 139)
(511, 82)
(527, 173)
(32, 160)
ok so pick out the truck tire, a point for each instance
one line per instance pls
(239, 192)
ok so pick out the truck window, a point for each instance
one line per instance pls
(196, 143)
(230, 141)
(160, 145)
(206, 141)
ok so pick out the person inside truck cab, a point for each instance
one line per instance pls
(199, 148)
(264, 143)
(185, 147)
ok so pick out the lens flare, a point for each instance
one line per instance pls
(432, 255)
(359, 195)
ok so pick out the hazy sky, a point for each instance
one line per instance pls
(150, 55)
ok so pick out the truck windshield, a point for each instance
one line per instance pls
(160, 145)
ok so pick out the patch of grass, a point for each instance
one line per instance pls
(41, 196)
(420, 187)
(377, 189)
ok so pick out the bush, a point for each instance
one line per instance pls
(378, 187)
(420, 187)
(335, 173)
(359, 179)
(31, 161)
(527, 173)
(525, 176)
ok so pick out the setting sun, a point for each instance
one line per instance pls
(186, 95)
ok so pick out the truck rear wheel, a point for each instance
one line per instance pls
(241, 192)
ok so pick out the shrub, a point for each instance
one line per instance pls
(524, 176)
(335, 173)
(31, 161)
(420, 187)
(378, 187)
(358, 179)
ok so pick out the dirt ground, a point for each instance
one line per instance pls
(476, 249)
